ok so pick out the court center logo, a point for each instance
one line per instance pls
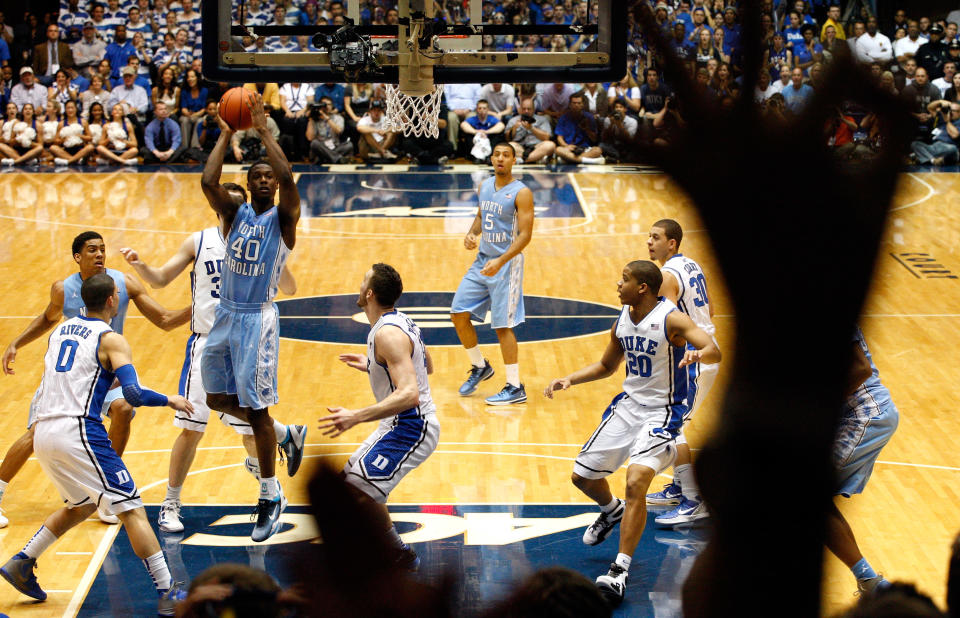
(337, 319)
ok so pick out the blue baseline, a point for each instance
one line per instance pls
(486, 573)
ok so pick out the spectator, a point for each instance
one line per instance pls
(946, 136)
(720, 44)
(797, 94)
(189, 18)
(105, 70)
(792, 32)
(905, 76)
(28, 91)
(144, 56)
(461, 100)
(335, 92)
(765, 88)
(858, 29)
(595, 97)
(88, 51)
(206, 135)
(170, 56)
(874, 46)
(256, 16)
(375, 141)
(115, 14)
(119, 50)
(69, 146)
(731, 34)
(831, 44)
(61, 91)
(133, 99)
(103, 27)
(953, 52)
(778, 56)
(577, 136)
(653, 94)
(889, 84)
(93, 126)
(705, 50)
(678, 44)
(95, 94)
(163, 142)
(119, 143)
(6, 84)
(529, 134)
(619, 132)
(555, 100)
(247, 145)
(907, 46)
(699, 25)
(193, 104)
(182, 43)
(25, 143)
(809, 51)
(953, 93)
(71, 20)
(626, 89)
(294, 103)
(324, 133)
(900, 22)
(946, 82)
(356, 101)
(136, 23)
(950, 33)
(933, 54)
(50, 55)
(482, 127)
(499, 98)
(139, 78)
(919, 95)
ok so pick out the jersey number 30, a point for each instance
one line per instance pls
(700, 284)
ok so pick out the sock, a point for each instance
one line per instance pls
(39, 543)
(268, 488)
(281, 430)
(610, 507)
(3, 488)
(624, 561)
(513, 374)
(863, 570)
(476, 357)
(156, 565)
(394, 536)
(173, 494)
(688, 482)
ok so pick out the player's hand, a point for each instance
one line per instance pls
(357, 361)
(470, 241)
(180, 404)
(560, 384)
(224, 127)
(338, 422)
(491, 268)
(131, 256)
(257, 113)
(9, 355)
(690, 357)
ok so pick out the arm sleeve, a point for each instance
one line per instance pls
(135, 394)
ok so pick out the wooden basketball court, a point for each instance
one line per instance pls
(516, 455)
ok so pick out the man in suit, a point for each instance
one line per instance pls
(51, 55)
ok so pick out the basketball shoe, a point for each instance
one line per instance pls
(600, 529)
(670, 494)
(508, 395)
(477, 375)
(292, 447)
(169, 599)
(169, 517)
(870, 585)
(19, 572)
(268, 514)
(407, 559)
(686, 512)
(613, 585)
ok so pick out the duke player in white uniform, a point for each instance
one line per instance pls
(503, 227)
(205, 250)
(685, 285)
(398, 364)
(868, 421)
(90, 253)
(84, 356)
(641, 424)
(239, 363)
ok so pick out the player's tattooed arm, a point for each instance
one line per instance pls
(217, 196)
(160, 316)
(604, 368)
(39, 325)
(681, 330)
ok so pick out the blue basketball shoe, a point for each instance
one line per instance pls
(19, 572)
(292, 447)
(508, 395)
(268, 514)
(670, 494)
(477, 375)
(686, 512)
(170, 598)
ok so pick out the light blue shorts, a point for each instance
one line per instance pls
(240, 356)
(858, 445)
(501, 294)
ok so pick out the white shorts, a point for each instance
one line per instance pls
(77, 456)
(391, 452)
(191, 387)
(112, 395)
(627, 430)
(701, 378)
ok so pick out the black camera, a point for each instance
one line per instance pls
(527, 118)
(350, 53)
(618, 115)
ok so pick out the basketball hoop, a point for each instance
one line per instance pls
(413, 105)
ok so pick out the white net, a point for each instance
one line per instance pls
(414, 115)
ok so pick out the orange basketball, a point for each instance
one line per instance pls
(234, 110)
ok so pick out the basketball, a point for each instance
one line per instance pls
(234, 110)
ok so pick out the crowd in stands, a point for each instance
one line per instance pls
(120, 83)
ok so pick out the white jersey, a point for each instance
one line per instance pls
(208, 247)
(654, 379)
(74, 382)
(380, 380)
(693, 298)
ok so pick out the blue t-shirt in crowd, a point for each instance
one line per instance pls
(483, 125)
(193, 103)
(569, 129)
(334, 91)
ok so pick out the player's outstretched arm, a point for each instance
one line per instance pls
(605, 367)
(162, 276)
(394, 346)
(40, 324)
(160, 316)
(115, 354)
(524, 205)
(219, 198)
(681, 330)
(289, 205)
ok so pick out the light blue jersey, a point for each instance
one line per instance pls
(253, 260)
(498, 213)
(73, 304)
